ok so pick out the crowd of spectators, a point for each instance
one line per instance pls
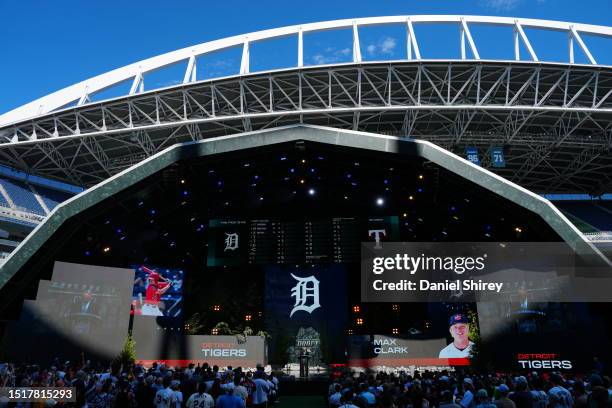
(451, 390)
(159, 386)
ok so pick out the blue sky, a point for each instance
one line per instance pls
(47, 45)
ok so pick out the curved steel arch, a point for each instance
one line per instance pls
(81, 91)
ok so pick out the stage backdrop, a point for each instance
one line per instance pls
(306, 311)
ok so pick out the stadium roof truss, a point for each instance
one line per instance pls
(553, 120)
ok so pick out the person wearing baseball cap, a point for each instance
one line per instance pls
(459, 327)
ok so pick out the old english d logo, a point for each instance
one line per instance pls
(306, 294)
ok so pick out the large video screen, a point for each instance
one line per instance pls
(295, 242)
(83, 309)
(175, 348)
(447, 341)
(531, 335)
(157, 292)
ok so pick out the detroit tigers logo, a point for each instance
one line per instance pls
(306, 294)
(231, 242)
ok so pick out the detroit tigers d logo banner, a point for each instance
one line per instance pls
(300, 303)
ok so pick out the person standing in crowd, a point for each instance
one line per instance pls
(145, 392)
(503, 401)
(260, 395)
(229, 400)
(366, 395)
(165, 396)
(539, 396)
(239, 389)
(559, 396)
(177, 396)
(482, 400)
(347, 400)
(446, 400)
(336, 396)
(521, 396)
(468, 396)
(201, 399)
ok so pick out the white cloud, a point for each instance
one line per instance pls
(388, 45)
(502, 5)
(319, 59)
(385, 46)
(331, 55)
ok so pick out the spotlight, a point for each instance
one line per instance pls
(356, 309)
(302, 181)
(182, 181)
(420, 177)
(106, 249)
(380, 201)
(248, 318)
(395, 330)
(359, 321)
(217, 308)
(518, 229)
(411, 198)
(311, 191)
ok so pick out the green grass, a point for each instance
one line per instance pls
(301, 402)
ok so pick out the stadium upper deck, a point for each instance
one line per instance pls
(552, 119)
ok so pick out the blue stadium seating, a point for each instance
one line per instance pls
(3, 201)
(51, 197)
(22, 196)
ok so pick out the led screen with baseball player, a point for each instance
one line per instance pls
(157, 292)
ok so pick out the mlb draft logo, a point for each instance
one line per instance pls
(306, 294)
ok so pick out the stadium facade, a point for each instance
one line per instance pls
(161, 167)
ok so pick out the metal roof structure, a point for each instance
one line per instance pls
(32, 246)
(552, 119)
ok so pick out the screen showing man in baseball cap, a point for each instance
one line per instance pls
(459, 327)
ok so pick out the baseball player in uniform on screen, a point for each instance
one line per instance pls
(461, 345)
(158, 285)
